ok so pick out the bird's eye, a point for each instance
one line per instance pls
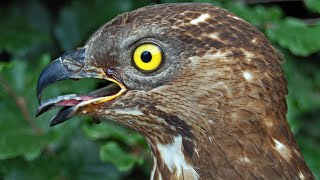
(147, 57)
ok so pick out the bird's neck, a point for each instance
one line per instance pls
(246, 148)
(172, 161)
(244, 137)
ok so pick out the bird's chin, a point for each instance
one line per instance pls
(72, 103)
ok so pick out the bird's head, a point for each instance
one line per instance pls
(183, 74)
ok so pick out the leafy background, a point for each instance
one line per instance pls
(34, 32)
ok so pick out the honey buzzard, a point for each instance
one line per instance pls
(204, 87)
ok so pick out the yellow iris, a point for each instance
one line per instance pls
(147, 57)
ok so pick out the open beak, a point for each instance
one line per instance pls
(73, 65)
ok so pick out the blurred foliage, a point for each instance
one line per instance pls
(34, 32)
(295, 35)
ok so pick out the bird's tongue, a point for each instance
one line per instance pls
(63, 101)
(73, 102)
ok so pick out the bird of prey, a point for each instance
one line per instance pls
(204, 87)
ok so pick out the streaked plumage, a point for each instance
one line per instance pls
(214, 109)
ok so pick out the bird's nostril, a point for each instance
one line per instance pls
(109, 72)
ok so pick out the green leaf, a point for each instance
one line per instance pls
(25, 26)
(115, 136)
(21, 142)
(294, 34)
(259, 16)
(112, 152)
(104, 131)
(13, 40)
(20, 133)
(78, 158)
(303, 86)
(313, 5)
(108, 130)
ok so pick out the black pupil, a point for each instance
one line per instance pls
(146, 56)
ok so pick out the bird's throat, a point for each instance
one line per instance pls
(171, 160)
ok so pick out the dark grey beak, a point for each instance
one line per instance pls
(74, 65)
(68, 66)
(71, 65)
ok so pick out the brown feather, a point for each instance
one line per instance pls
(222, 90)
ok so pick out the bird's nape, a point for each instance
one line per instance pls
(203, 86)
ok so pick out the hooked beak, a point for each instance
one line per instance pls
(73, 65)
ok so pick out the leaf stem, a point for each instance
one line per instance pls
(22, 105)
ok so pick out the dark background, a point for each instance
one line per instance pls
(34, 32)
